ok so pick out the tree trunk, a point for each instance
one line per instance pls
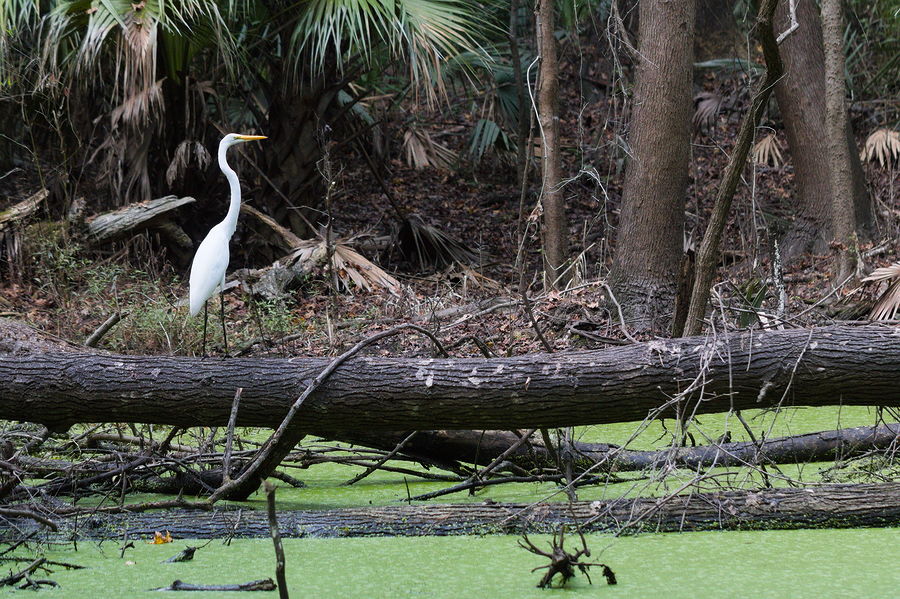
(296, 120)
(801, 100)
(555, 228)
(837, 506)
(649, 241)
(840, 177)
(839, 365)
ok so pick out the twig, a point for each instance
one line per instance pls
(276, 539)
(474, 484)
(382, 460)
(500, 458)
(15, 578)
(618, 306)
(229, 436)
(792, 12)
(103, 329)
(526, 303)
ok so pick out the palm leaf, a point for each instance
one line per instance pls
(882, 145)
(350, 268)
(425, 32)
(767, 150)
(430, 247)
(422, 151)
(488, 136)
(706, 108)
(887, 305)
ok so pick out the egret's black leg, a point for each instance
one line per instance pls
(204, 330)
(222, 314)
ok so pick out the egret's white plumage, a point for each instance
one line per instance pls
(211, 259)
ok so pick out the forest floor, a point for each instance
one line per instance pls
(70, 292)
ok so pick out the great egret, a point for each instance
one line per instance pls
(211, 259)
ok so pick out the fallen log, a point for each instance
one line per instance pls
(21, 211)
(834, 506)
(133, 217)
(482, 447)
(841, 365)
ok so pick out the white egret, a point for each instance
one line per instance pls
(211, 259)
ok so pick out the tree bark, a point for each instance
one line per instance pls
(839, 365)
(555, 229)
(801, 101)
(840, 176)
(296, 118)
(649, 240)
(835, 506)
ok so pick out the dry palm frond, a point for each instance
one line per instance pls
(186, 151)
(706, 108)
(887, 305)
(422, 151)
(767, 150)
(883, 145)
(349, 267)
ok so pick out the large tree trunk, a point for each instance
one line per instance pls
(801, 100)
(649, 240)
(827, 366)
(555, 226)
(837, 506)
(297, 121)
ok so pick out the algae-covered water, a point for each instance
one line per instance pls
(759, 564)
(817, 564)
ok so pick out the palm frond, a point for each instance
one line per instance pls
(887, 305)
(18, 22)
(350, 268)
(767, 150)
(329, 33)
(187, 151)
(430, 247)
(422, 151)
(487, 136)
(882, 145)
(706, 108)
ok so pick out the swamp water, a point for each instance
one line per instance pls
(759, 564)
(815, 564)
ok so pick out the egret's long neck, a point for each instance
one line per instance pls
(234, 207)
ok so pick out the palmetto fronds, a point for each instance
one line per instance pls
(887, 305)
(706, 109)
(422, 151)
(882, 145)
(111, 48)
(425, 33)
(349, 267)
(767, 151)
(187, 151)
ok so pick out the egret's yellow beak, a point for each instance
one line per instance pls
(250, 137)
